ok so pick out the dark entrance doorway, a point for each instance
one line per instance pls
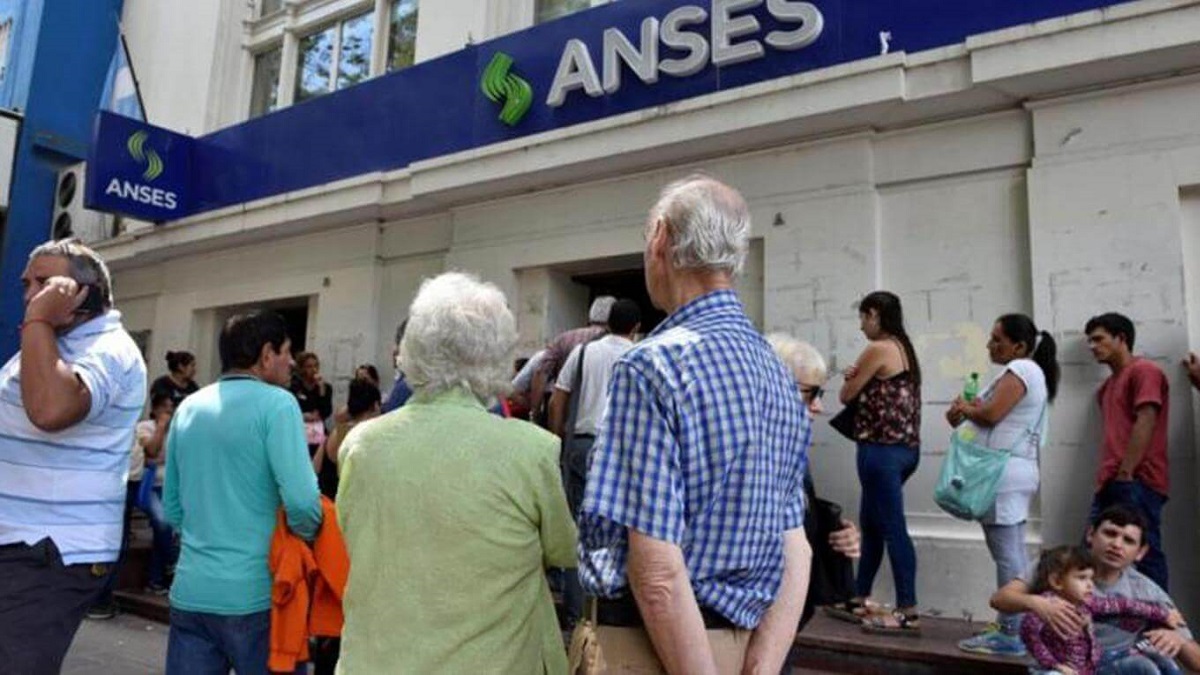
(627, 283)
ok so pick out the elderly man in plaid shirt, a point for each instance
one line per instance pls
(692, 528)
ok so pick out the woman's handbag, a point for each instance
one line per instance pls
(843, 422)
(971, 474)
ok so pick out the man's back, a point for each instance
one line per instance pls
(598, 360)
(237, 454)
(704, 446)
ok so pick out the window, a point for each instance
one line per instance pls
(402, 35)
(266, 7)
(265, 96)
(354, 62)
(549, 10)
(313, 73)
(5, 33)
(336, 57)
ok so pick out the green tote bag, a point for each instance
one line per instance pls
(971, 474)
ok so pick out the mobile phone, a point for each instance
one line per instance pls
(93, 303)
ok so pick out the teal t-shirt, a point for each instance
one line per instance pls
(236, 454)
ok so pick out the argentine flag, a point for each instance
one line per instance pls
(120, 94)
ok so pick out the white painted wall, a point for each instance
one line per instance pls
(172, 44)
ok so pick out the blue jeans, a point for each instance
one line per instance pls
(211, 644)
(1136, 663)
(164, 539)
(1006, 543)
(1137, 495)
(882, 471)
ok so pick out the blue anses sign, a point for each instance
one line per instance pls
(139, 170)
(617, 58)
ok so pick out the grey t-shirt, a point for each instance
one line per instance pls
(1123, 633)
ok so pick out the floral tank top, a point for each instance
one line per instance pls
(889, 412)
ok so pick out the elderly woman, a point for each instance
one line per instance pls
(451, 514)
(831, 572)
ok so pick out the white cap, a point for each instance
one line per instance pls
(601, 307)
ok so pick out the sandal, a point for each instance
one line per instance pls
(850, 611)
(895, 623)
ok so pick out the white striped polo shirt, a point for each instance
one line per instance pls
(70, 485)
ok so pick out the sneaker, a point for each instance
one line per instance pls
(994, 643)
(102, 612)
(158, 589)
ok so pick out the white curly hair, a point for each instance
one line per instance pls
(460, 333)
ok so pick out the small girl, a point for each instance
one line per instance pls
(1066, 572)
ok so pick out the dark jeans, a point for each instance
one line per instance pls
(105, 599)
(42, 603)
(1149, 503)
(575, 467)
(882, 471)
(163, 552)
(211, 644)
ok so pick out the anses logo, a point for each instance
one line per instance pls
(144, 194)
(144, 155)
(500, 84)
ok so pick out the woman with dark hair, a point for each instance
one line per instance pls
(1011, 414)
(179, 382)
(315, 398)
(885, 382)
(367, 372)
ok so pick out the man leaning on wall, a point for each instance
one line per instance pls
(692, 524)
(69, 401)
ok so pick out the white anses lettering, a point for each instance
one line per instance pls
(729, 43)
(143, 194)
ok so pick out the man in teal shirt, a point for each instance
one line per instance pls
(236, 454)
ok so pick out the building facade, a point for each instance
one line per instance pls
(1049, 166)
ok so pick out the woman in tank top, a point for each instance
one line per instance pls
(885, 381)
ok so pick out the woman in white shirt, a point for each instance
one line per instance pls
(1011, 414)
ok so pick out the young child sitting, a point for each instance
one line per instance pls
(1066, 572)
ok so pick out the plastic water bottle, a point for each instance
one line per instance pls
(971, 389)
(966, 430)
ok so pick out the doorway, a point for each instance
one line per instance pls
(296, 313)
(627, 283)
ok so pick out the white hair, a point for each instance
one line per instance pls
(460, 333)
(708, 221)
(799, 356)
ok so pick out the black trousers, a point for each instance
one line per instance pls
(42, 603)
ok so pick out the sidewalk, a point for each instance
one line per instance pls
(125, 645)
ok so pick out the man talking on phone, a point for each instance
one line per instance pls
(69, 401)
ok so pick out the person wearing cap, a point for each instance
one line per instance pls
(561, 346)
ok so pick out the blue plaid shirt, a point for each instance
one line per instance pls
(704, 445)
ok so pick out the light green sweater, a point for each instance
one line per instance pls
(450, 516)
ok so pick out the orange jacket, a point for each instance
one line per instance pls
(306, 599)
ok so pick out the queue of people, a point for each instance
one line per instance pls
(674, 476)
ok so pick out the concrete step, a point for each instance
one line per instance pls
(145, 605)
(829, 645)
